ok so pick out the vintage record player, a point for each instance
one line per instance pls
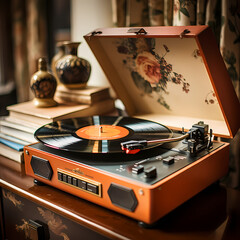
(179, 97)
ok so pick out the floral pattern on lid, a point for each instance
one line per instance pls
(150, 71)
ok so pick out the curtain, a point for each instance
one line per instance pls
(7, 84)
(29, 31)
(224, 18)
(6, 77)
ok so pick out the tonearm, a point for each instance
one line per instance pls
(197, 139)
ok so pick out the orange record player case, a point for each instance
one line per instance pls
(195, 87)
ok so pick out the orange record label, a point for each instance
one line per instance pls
(102, 132)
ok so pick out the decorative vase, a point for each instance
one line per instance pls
(60, 53)
(43, 84)
(73, 71)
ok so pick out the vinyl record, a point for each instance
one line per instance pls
(99, 134)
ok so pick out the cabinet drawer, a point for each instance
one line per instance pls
(24, 219)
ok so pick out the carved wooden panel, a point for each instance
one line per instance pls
(18, 212)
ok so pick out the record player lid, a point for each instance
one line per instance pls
(172, 75)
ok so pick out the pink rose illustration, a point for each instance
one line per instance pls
(149, 70)
(148, 67)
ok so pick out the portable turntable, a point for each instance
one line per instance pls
(177, 91)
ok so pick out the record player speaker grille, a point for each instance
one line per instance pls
(41, 167)
(122, 197)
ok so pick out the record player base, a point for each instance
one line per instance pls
(146, 203)
(212, 214)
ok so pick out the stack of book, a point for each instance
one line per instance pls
(17, 129)
(89, 95)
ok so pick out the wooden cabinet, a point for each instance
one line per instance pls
(27, 220)
(29, 211)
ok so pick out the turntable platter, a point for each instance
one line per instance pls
(99, 134)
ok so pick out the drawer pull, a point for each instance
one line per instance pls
(36, 231)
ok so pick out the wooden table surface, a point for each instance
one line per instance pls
(212, 214)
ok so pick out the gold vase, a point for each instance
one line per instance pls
(73, 71)
(43, 84)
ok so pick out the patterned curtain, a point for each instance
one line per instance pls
(224, 18)
(29, 32)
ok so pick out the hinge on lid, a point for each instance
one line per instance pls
(184, 32)
(95, 33)
(138, 31)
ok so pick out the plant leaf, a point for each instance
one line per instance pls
(141, 83)
(231, 26)
(237, 40)
(233, 73)
(184, 11)
(138, 80)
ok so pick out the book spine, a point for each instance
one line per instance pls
(65, 98)
(11, 153)
(19, 121)
(81, 110)
(13, 145)
(13, 139)
(84, 99)
(29, 118)
(16, 126)
(25, 136)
